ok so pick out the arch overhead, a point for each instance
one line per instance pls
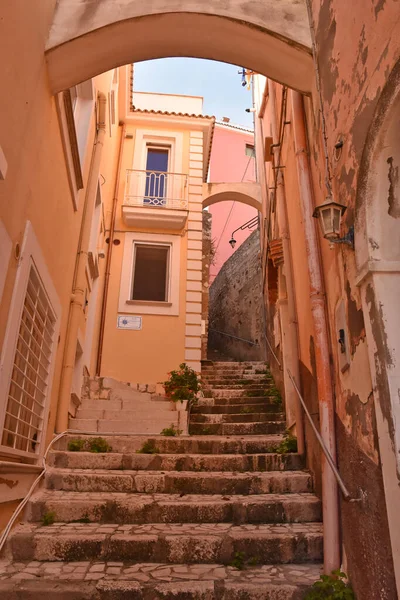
(247, 193)
(89, 37)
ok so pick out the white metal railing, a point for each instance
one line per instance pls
(156, 189)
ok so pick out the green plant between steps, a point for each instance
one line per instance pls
(171, 431)
(148, 447)
(96, 445)
(48, 518)
(331, 587)
(287, 445)
(182, 384)
(240, 561)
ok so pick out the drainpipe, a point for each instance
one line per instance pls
(321, 336)
(291, 341)
(109, 255)
(79, 284)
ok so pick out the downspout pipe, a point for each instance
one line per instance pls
(330, 501)
(109, 255)
(79, 284)
(292, 335)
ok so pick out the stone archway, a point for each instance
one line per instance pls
(377, 243)
(247, 193)
(88, 38)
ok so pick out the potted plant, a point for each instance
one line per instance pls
(182, 386)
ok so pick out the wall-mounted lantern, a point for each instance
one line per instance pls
(232, 242)
(329, 214)
(249, 225)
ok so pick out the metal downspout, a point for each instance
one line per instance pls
(292, 334)
(109, 255)
(79, 283)
(330, 500)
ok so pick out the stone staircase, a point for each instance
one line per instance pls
(218, 515)
(109, 406)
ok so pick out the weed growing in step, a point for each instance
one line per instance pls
(331, 587)
(238, 561)
(96, 445)
(246, 410)
(49, 518)
(148, 447)
(206, 430)
(171, 431)
(84, 519)
(287, 445)
(76, 445)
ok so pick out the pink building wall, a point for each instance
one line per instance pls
(230, 164)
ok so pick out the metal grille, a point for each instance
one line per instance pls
(156, 189)
(28, 387)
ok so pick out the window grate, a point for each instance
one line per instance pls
(23, 422)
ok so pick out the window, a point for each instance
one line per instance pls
(150, 273)
(156, 175)
(28, 354)
(31, 367)
(250, 151)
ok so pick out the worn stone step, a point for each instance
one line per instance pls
(140, 413)
(239, 393)
(144, 425)
(235, 399)
(125, 508)
(237, 428)
(239, 417)
(100, 580)
(260, 407)
(246, 377)
(168, 543)
(212, 444)
(177, 462)
(174, 482)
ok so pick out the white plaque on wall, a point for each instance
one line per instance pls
(129, 322)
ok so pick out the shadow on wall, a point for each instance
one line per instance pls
(235, 305)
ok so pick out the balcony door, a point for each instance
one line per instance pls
(156, 176)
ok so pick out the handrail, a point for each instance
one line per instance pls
(344, 490)
(153, 171)
(235, 337)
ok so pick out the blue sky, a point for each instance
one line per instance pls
(218, 83)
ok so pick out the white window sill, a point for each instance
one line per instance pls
(148, 303)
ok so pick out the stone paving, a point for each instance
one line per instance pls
(145, 572)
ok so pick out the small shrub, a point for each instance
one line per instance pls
(98, 445)
(253, 561)
(331, 587)
(171, 431)
(287, 445)
(182, 384)
(149, 447)
(76, 445)
(84, 519)
(49, 518)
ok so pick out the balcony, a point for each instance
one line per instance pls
(155, 199)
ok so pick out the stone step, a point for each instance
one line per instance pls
(256, 428)
(260, 407)
(177, 462)
(101, 404)
(251, 364)
(124, 415)
(244, 417)
(168, 543)
(235, 377)
(125, 444)
(99, 580)
(153, 425)
(174, 482)
(124, 508)
(234, 398)
(240, 392)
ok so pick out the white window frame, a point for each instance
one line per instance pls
(30, 253)
(148, 307)
(5, 253)
(167, 291)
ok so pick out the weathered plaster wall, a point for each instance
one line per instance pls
(236, 304)
(205, 294)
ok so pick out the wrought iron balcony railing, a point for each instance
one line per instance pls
(156, 189)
